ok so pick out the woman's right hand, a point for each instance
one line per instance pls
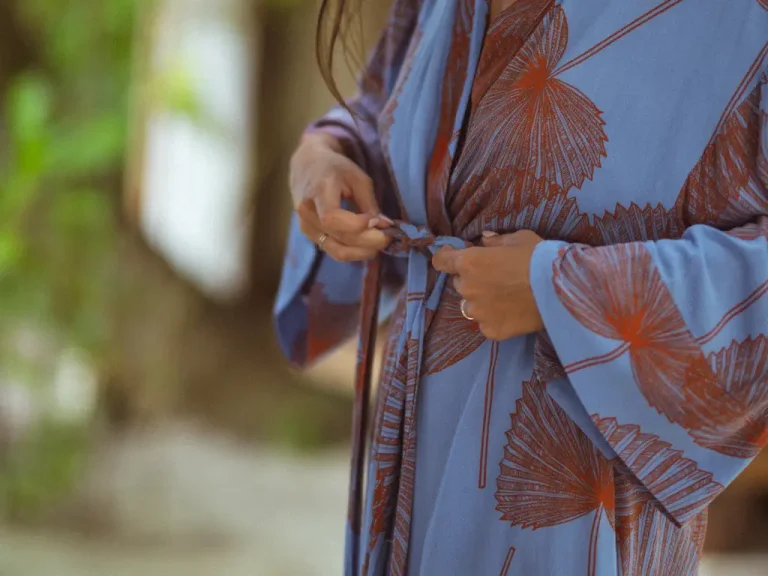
(321, 176)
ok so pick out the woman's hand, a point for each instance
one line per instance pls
(495, 282)
(321, 176)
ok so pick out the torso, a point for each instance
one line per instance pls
(558, 117)
(602, 122)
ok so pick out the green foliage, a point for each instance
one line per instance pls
(63, 131)
(65, 121)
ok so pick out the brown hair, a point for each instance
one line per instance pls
(333, 29)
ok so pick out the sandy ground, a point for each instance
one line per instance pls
(261, 513)
(34, 555)
(30, 555)
(280, 515)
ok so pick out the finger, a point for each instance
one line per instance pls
(326, 199)
(490, 238)
(343, 253)
(363, 193)
(335, 249)
(370, 240)
(307, 212)
(445, 260)
(469, 309)
(458, 285)
(309, 225)
(355, 229)
(468, 288)
(342, 221)
(489, 331)
(382, 222)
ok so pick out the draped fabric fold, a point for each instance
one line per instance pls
(416, 244)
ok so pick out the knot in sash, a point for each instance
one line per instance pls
(408, 238)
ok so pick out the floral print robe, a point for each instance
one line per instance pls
(632, 137)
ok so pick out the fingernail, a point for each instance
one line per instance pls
(373, 222)
(387, 220)
(489, 234)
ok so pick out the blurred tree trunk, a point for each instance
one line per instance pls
(177, 355)
(16, 54)
(16, 49)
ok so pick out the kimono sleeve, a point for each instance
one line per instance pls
(665, 345)
(317, 304)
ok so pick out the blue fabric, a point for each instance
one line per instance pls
(631, 136)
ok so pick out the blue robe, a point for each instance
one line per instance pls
(632, 137)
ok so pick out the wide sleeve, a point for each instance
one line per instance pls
(317, 304)
(665, 346)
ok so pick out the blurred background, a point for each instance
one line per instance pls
(148, 424)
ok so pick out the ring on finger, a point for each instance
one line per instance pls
(321, 241)
(463, 309)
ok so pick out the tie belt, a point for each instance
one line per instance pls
(418, 245)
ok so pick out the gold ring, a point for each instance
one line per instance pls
(464, 312)
(321, 241)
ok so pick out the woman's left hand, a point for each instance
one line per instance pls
(495, 282)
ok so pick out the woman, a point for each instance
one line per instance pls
(572, 197)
